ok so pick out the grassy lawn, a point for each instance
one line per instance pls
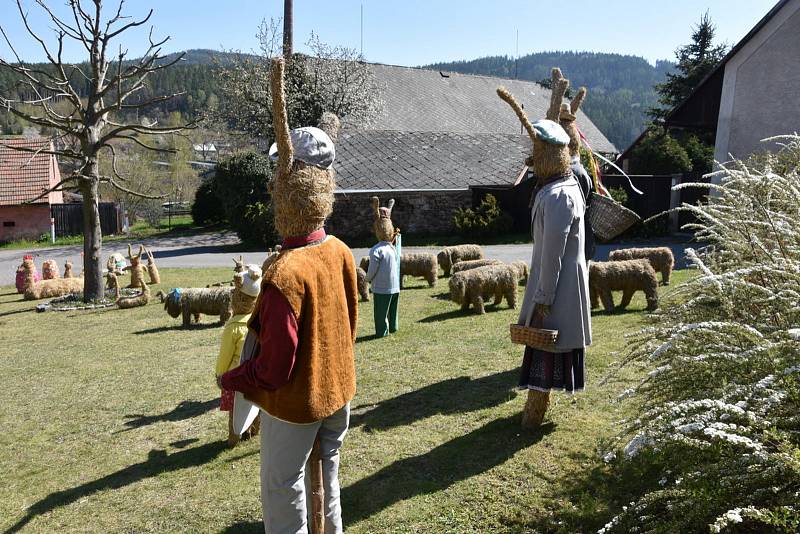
(110, 424)
(179, 225)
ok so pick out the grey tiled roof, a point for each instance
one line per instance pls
(419, 100)
(382, 160)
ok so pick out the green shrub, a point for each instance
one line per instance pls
(485, 220)
(207, 209)
(717, 414)
(619, 194)
(240, 186)
(659, 153)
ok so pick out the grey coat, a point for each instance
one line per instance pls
(558, 273)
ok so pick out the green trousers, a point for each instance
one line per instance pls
(385, 312)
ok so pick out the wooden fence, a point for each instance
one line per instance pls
(69, 218)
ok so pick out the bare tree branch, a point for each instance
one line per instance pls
(57, 187)
(132, 192)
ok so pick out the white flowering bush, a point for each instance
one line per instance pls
(720, 409)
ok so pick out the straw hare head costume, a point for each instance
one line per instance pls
(382, 226)
(566, 118)
(302, 190)
(551, 156)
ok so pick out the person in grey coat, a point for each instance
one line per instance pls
(557, 293)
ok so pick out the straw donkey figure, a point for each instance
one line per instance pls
(546, 160)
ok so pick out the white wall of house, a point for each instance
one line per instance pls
(761, 88)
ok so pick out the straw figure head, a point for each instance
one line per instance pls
(550, 155)
(302, 189)
(382, 225)
(135, 258)
(566, 118)
(246, 287)
(50, 270)
(68, 269)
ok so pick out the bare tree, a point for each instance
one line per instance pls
(330, 78)
(94, 120)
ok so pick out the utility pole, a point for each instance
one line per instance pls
(287, 29)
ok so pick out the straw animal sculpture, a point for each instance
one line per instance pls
(50, 270)
(136, 268)
(474, 286)
(451, 255)
(191, 303)
(68, 270)
(152, 269)
(628, 276)
(660, 258)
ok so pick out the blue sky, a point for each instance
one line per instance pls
(414, 32)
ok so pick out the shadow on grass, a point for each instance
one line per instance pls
(158, 462)
(452, 314)
(458, 459)
(178, 326)
(368, 337)
(184, 410)
(455, 395)
(590, 499)
(600, 312)
(22, 310)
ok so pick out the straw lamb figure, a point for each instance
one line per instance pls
(556, 294)
(136, 268)
(152, 269)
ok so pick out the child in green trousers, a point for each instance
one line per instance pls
(384, 271)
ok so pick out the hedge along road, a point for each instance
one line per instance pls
(218, 249)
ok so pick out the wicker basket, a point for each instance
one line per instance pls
(537, 338)
(609, 218)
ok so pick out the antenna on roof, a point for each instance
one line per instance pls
(362, 31)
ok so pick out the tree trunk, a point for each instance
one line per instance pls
(317, 491)
(535, 408)
(92, 242)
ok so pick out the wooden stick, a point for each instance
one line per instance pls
(317, 490)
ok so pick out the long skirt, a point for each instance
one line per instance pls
(547, 371)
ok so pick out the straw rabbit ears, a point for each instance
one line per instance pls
(329, 122)
(559, 86)
(379, 212)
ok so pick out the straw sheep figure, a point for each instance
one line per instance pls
(363, 285)
(474, 286)
(68, 270)
(419, 264)
(136, 301)
(660, 258)
(136, 268)
(448, 256)
(521, 268)
(50, 270)
(192, 302)
(466, 265)
(152, 269)
(628, 276)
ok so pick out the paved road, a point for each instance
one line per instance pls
(217, 250)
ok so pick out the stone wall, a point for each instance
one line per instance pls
(415, 212)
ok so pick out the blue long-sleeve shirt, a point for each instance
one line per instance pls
(383, 272)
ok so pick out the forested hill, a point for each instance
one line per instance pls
(621, 88)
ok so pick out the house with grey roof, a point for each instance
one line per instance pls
(437, 136)
(751, 93)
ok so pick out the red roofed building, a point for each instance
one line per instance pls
(24, 175)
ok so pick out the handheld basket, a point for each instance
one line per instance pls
(537, 338)
(609, 218)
